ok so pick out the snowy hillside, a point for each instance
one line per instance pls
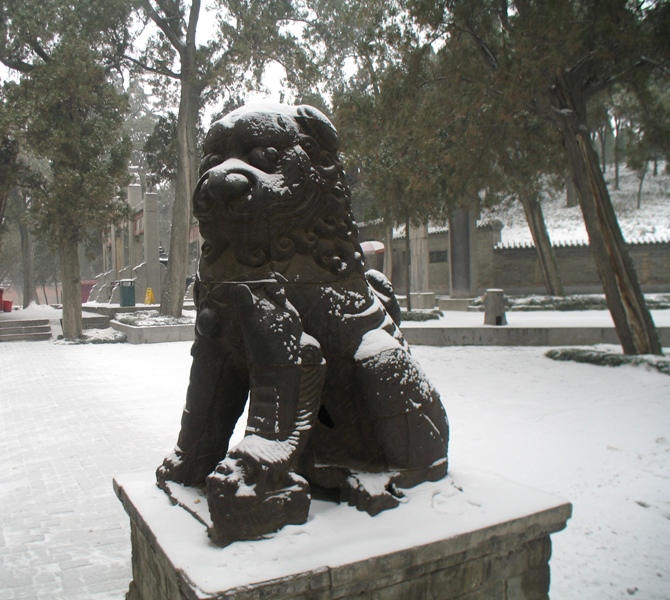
(650, 222)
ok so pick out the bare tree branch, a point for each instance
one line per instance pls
(216, 67)
(157, 70)
(37, 49)
(163, 25)
(17, 65)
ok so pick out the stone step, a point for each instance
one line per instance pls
(25, 337)
(27, 331)
(12, 323)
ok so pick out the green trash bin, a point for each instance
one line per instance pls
(127, 292)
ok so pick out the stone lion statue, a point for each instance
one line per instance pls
(290, 323)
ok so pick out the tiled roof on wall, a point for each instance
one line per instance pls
(516, 245)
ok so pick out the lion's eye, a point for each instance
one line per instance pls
(264, 158)
(214, 160)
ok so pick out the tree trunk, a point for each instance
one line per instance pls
(545, 251)
(617, 132)
(641, 176)
(633, 322)
(571, 191)
(408, 267)
(28, 264)
(172, 299)
(388, 250)
(71, 293)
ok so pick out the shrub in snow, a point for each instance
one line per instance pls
(606, 358)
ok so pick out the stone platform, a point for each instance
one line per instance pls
(156, 335)
(537, 328)
(471, 536)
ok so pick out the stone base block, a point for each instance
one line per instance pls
(471, 536)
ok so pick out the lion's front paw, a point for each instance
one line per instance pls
(241, 510)
(170, 470)
(182, 468)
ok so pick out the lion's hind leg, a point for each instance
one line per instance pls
(410, 422)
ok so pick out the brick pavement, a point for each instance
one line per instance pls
(72, 417)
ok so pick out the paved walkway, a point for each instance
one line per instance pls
(66, 428)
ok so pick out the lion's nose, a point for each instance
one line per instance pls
(221, 185)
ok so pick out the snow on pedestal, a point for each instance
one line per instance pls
(472, 533)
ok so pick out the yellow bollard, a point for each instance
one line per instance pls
(149, 297)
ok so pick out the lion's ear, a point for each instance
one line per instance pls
(315, 124)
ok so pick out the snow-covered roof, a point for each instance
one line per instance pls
(648, 224)
(520, 244)
(440, 228)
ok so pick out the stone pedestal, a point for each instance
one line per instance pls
(143, 278)
(472, 536)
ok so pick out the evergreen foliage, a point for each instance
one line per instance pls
(66, 110)
(73, 117)
(160, 150)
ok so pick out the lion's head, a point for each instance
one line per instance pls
(272, 187)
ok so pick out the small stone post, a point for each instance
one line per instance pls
(494, 307)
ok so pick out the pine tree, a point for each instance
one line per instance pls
(71, 115)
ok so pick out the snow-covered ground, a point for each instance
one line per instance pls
(650, 222)
(596, 436)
